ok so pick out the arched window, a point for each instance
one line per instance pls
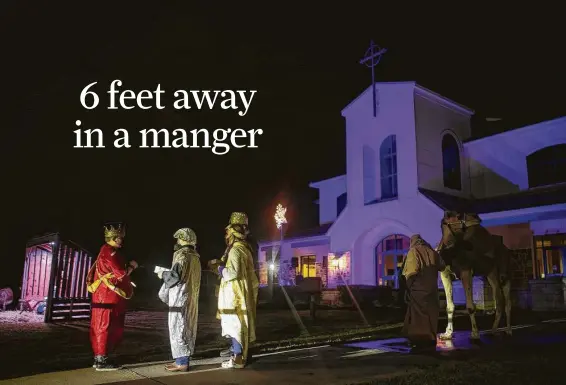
(547, 166)
(341, 203)
(389, 254)
(451, 163)
(370, 182)
(388, 166)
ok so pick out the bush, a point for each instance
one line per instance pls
(279, 301)
(366, 295)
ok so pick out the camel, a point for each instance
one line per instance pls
(468, 248)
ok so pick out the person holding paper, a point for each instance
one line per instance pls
(180, 290)
(108, 281)
(237, 297)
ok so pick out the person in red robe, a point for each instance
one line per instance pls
(109, 283)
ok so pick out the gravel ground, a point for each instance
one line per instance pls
(14, 317)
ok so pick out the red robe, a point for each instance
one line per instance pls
(108, 308)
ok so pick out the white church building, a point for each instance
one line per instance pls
(407, 165)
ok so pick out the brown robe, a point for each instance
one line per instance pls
(420, 269)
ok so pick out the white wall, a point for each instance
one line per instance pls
(487, 183)
(432, 121)
(549, 226)
(320, 251)
(395, 116)
(498, 163)
(328, 192)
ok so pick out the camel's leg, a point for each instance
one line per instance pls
(500, 302)
(467, 283)
(445, 275)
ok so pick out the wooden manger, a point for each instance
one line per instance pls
(55, 276)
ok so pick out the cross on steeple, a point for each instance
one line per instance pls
(372, 59)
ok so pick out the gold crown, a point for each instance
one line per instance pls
(238, 219)
(114, 232)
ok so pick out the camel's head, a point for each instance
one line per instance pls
(451, 227)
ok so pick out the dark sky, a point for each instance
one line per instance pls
(304, 64)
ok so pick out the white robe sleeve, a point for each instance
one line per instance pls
(164, 294)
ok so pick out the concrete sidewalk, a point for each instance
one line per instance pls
(326, 364)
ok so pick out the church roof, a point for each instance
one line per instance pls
(544, 196)
(302, 233)
(420, 90)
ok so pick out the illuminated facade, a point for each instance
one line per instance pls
(417, 159)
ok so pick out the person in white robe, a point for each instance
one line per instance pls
(180, 291)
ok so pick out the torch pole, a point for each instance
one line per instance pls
(273, 265)
(270, 277)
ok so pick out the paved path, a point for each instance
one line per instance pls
(321, 365)
(324, 364)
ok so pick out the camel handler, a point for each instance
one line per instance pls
(420, 269)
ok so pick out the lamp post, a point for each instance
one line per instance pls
(280, 220)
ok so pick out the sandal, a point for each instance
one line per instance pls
(231, 364)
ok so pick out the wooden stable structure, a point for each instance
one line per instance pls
(55, 273)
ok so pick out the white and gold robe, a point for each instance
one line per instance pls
(237, 297)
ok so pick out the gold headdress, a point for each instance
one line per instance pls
(111, 232)
(241, 219)
(238, 218)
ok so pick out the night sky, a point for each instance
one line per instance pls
(303, 63)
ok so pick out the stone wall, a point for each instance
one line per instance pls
(548, 294)
(521, 272)
(521, 298)
(521, 268)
